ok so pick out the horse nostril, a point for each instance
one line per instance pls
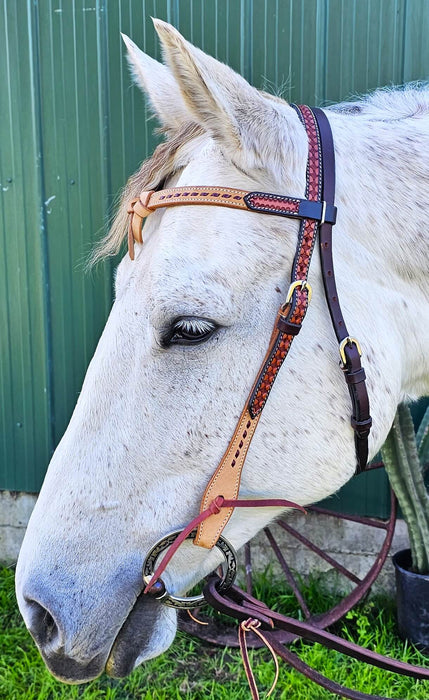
(42, 625)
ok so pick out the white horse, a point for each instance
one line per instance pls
(156, 411)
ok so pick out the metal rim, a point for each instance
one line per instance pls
(187, 602)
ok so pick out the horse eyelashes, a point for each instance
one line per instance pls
(188, 330)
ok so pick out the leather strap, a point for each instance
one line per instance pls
(353, 372)
(213, 509)
(242, 606)
(226, 479)
(291, 316)
(316, 210)
(262, 202)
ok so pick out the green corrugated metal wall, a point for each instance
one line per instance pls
(72, 129)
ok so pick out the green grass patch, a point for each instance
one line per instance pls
(193, 670)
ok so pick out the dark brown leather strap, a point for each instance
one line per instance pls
(241, 606)
(353, 372)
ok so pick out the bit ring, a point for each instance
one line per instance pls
(188, 602)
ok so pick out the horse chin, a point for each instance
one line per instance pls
(147, 632)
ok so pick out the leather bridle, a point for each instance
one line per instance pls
(317, 212)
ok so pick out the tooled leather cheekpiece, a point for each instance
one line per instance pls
(317, 213)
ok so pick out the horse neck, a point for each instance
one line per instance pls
(381, 234)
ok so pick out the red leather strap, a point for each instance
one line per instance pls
(292, 315)
(214, 508)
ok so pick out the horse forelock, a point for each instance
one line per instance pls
(158, 167)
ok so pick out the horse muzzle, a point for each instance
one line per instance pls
(83, 628)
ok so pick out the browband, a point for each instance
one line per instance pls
(263, 202)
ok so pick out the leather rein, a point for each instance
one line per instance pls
(316, 212)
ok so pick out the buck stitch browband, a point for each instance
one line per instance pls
(316, 212)
(263, 202)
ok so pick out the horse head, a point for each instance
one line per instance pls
(187, 332)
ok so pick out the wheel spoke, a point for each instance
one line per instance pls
(314, 548)
(288, 573)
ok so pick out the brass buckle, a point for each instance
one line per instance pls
(348, 341)
(299, 283)
(180, 602)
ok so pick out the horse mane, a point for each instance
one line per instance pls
(389, 103)
(149, 176)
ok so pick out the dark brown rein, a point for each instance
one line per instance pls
(246, 609)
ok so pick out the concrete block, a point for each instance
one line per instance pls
(15, 511)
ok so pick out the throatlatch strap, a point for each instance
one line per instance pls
(353, 371)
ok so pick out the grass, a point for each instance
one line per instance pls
(191, 670)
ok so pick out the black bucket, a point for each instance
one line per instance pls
(412, 598)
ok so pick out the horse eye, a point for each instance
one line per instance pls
(189, 330)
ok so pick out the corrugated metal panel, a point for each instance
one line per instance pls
(364, 46)
(416, 45)
(72, 130)
(76, 164)
(26, 436)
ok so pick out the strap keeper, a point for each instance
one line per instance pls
(138, 209)
(355, 377)
(286, 327)
(361, 427)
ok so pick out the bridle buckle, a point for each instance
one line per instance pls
(303, 284)
(348, 341)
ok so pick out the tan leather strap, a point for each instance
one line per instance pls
(138, 210)
(226, 479)
(262, 202)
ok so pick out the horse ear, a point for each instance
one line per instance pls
(230, 109)
(158, 83)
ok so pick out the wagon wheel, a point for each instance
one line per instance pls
(218, 633)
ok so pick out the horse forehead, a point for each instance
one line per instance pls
(211, 255)
(204, 160)
(210, 252)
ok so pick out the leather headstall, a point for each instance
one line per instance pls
(316, 212)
